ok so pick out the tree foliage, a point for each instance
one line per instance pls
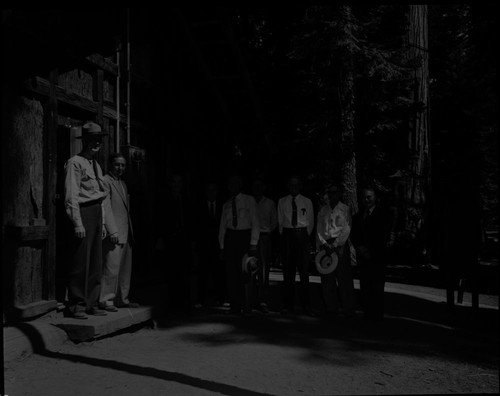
(297, 56)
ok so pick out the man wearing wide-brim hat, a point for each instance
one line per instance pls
(84, 193)
(333, 261)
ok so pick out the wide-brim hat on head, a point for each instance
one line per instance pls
(326, 263)
(90, 129)
(249, 264)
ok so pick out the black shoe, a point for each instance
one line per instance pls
(96, 312)
(77, 315)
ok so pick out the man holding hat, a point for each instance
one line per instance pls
(84, 195)
(238, 235)
(332, 231)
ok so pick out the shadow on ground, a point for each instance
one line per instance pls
(412, 326)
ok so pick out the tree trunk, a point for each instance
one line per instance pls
(346, 95)
(417, 183)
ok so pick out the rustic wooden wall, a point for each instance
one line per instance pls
(77, 81)
(23, 188)
(23, 206)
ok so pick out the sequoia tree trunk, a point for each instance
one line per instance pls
(346, 96)
(418, 171)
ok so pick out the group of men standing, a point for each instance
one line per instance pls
(232, 243)
(225, 236)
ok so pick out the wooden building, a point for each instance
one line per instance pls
(170, 92)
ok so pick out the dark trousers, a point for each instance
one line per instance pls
(264, 249)
(178, 273)
(84, 283)
(295, 257)
(371, 287)
(211, 271)
(339, 283)
(236, 244)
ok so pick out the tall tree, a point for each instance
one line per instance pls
(418, 168)
(346, 96)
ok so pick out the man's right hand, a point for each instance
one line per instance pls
(80, 232)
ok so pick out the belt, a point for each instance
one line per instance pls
(90, 203)
(295, 229)
(231, 230)
(264, 233)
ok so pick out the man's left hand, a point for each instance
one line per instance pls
(114, 238)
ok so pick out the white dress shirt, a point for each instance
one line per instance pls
(305, 213)
(246, 210)
(333, 223)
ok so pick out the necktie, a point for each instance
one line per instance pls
(235, 214)
(366, 214)
(212, 209)
(94, 164)
(294, 213)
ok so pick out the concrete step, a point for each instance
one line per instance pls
(99, 326)
(48, 333)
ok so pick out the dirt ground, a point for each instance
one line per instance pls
(418, 349)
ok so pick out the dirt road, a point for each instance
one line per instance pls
(418, 348)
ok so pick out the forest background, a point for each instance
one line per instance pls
(397, 96)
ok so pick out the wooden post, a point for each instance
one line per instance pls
(118, 76)
(50, 164)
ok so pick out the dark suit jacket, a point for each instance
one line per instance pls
(207, 225)
(176, 219)
(372, 232)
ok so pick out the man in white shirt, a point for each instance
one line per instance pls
(238, 234)
(268, 221)
(333, 227)
(84, 194)
(295, 222)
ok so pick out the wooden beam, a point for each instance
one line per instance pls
(103, 63)
(41, 86)
(28, 233)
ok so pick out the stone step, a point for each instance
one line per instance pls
(99, 326)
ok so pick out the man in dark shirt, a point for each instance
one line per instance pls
(370, 233)
(210, 271)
